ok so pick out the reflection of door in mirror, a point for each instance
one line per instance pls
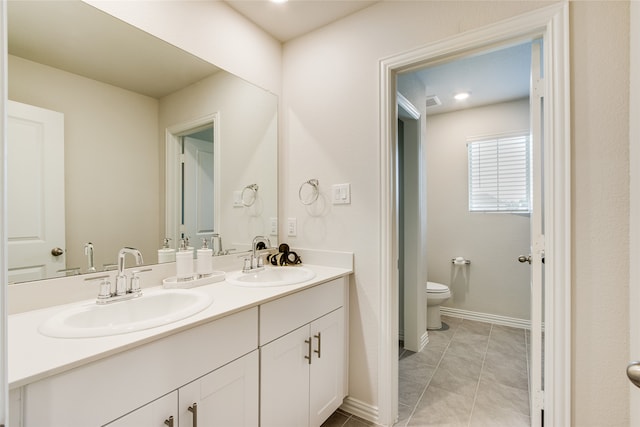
(35, 193)
(198, 187)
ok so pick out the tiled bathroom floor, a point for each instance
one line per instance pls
(474, 374)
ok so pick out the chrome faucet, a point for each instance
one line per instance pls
(255, 261)
(121, 278)
(88, 251)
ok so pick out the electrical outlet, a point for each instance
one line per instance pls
(292, 227)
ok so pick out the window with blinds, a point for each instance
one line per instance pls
(500, 174)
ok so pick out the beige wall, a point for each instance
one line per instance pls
(330, 110)
(600, 128)
(248, 142)
(111, 160)
(495, 283)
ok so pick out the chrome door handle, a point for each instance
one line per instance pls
(57, 251)
(633, 372)
(524, 259)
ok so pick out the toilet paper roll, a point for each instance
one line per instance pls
(459, 260)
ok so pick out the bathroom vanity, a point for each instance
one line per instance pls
(268, 356)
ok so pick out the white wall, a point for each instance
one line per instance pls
(331, 132)
(331, 122)
(495, 282)
(111, 159)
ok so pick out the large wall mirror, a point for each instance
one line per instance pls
(117, 138)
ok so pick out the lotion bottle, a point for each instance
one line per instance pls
(184, 263)
(204, 263)
(166, 254)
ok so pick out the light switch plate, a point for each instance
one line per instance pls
(292, 227)
(341, 194)
(274, 226)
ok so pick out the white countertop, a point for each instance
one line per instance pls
(33, 356)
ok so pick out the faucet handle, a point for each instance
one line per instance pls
(105, 286)
(135, 280)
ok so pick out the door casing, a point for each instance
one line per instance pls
(551, 24)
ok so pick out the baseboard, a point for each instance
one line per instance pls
(360, 409)
(486, 317)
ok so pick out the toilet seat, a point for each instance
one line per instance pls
(436, 288)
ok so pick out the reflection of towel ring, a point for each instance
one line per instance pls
(249, 198)
(313, 196)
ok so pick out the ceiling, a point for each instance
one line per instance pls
(497, 76)
(491, 77)
(78, 38)
(286, 21)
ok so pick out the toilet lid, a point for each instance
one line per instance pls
(436, 288)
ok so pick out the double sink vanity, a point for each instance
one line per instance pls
(268, 348)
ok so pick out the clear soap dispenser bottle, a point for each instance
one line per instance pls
(184, 263)
(166, 254)
(204, 263)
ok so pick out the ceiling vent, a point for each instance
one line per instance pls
(433, 101)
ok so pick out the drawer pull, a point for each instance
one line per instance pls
(308, 356)
(319, 337)
(169, 421)
(194, 410)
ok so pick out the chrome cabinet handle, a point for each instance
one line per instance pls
(194, 410)
(633, 372)
(169, 421)
(319, 337)
(308, 356)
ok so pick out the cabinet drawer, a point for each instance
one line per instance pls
(283, 315)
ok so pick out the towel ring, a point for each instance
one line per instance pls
(252, 191)
(313, 196)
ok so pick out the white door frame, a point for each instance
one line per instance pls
(634, 206)
(552, 24)
(4, 385)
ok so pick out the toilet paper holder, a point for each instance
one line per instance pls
(460, 261)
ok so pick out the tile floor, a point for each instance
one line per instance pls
(473, 374)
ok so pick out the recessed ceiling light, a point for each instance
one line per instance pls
(461, 96)
(279, 1)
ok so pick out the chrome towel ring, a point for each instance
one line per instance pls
(309, 191)
(249, 194)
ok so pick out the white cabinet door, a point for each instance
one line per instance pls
(326, 390)
(284, 384)
(159, 413)
(302, 376)
(227, 397)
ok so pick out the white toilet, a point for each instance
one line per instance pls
(437, 293)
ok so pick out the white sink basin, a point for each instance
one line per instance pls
(271, 276)
(148, 311)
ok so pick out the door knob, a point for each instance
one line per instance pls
(57, 251)
(633, 372)
(523, 259)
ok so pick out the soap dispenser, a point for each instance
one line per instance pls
(184, 262)
(204, 263)
(166, 254)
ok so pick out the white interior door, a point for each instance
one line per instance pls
(537, 239)
(35, 192)
(198, 190)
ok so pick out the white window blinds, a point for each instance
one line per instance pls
(500, 174)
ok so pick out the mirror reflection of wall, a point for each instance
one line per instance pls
(115, 126)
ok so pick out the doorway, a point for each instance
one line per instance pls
(474, 150)
(549, 24)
